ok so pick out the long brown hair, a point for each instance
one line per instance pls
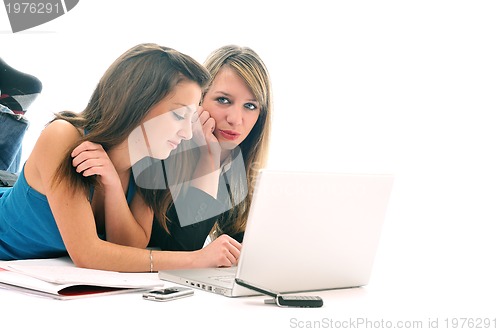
(250, 67)
(135, 82)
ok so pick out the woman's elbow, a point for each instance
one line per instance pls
(87, 257)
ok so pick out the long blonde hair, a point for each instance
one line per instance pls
(135, 82)
(250, 67)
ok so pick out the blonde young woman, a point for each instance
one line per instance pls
(77, 194)
(232, 139)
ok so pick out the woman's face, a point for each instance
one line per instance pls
(232, 105)
(167, 124)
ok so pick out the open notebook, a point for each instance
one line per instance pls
(59, 278)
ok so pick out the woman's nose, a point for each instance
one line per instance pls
(186, 131)
(235, 116)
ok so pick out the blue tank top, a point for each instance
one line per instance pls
(28, 229)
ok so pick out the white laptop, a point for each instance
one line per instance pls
(306, 231)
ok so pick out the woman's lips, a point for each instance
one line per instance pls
(229, 134)
(173, 144)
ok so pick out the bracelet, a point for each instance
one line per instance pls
(151, 260)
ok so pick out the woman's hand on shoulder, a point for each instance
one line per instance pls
(91, 159)
(222, 252)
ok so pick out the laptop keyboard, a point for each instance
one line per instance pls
(225, 275)
(227, 279)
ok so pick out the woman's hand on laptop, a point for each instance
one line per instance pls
(222, 252)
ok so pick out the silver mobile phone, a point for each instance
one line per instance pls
(168, 294)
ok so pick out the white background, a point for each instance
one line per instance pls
(410, 88)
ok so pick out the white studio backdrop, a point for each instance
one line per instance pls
(410, 88)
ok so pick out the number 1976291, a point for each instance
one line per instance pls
(484, 323)
(33, 8)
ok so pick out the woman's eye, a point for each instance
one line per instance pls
(250, 106)
(178, 117)
(222, 100)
